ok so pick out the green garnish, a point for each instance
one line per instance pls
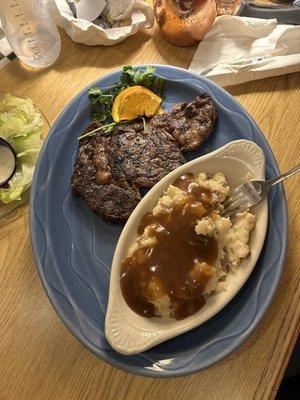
(106, 128)
(98, 116)
(131, 77)
(144, 124)
(102, 102)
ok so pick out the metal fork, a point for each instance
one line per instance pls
(250, 193)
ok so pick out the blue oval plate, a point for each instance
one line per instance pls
(73, 247)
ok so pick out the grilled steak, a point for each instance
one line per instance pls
(110, 168)
(189, 123)
(144, 157)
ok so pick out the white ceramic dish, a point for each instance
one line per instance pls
(127, 332)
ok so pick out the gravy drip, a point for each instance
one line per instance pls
(172, 266)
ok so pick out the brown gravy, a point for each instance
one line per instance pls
(168, 267)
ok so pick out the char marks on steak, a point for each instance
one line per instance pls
(189, 123)
(110, 168)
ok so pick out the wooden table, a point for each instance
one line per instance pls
(39, 357)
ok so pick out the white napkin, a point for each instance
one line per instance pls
(134, 14)
(88, 9)
(241, 49)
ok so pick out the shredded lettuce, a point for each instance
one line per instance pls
(21, 125)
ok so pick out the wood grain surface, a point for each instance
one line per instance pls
(39, 357)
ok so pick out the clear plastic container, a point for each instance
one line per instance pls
(30, 31)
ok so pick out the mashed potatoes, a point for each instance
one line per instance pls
(228, 238)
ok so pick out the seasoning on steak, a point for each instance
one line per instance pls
(189, 123)
(110, 168)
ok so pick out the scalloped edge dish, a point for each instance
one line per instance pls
(127, 332)
(201, 347)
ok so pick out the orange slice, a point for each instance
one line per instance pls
(134, 102)
(159, 111)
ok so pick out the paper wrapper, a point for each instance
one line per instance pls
(240, 49)
(139, 13)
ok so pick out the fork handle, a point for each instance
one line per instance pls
(287, 174)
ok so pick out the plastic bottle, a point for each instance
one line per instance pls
(30, 31)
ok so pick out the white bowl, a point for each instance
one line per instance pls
(128, 332)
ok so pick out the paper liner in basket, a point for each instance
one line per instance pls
(137, 11)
